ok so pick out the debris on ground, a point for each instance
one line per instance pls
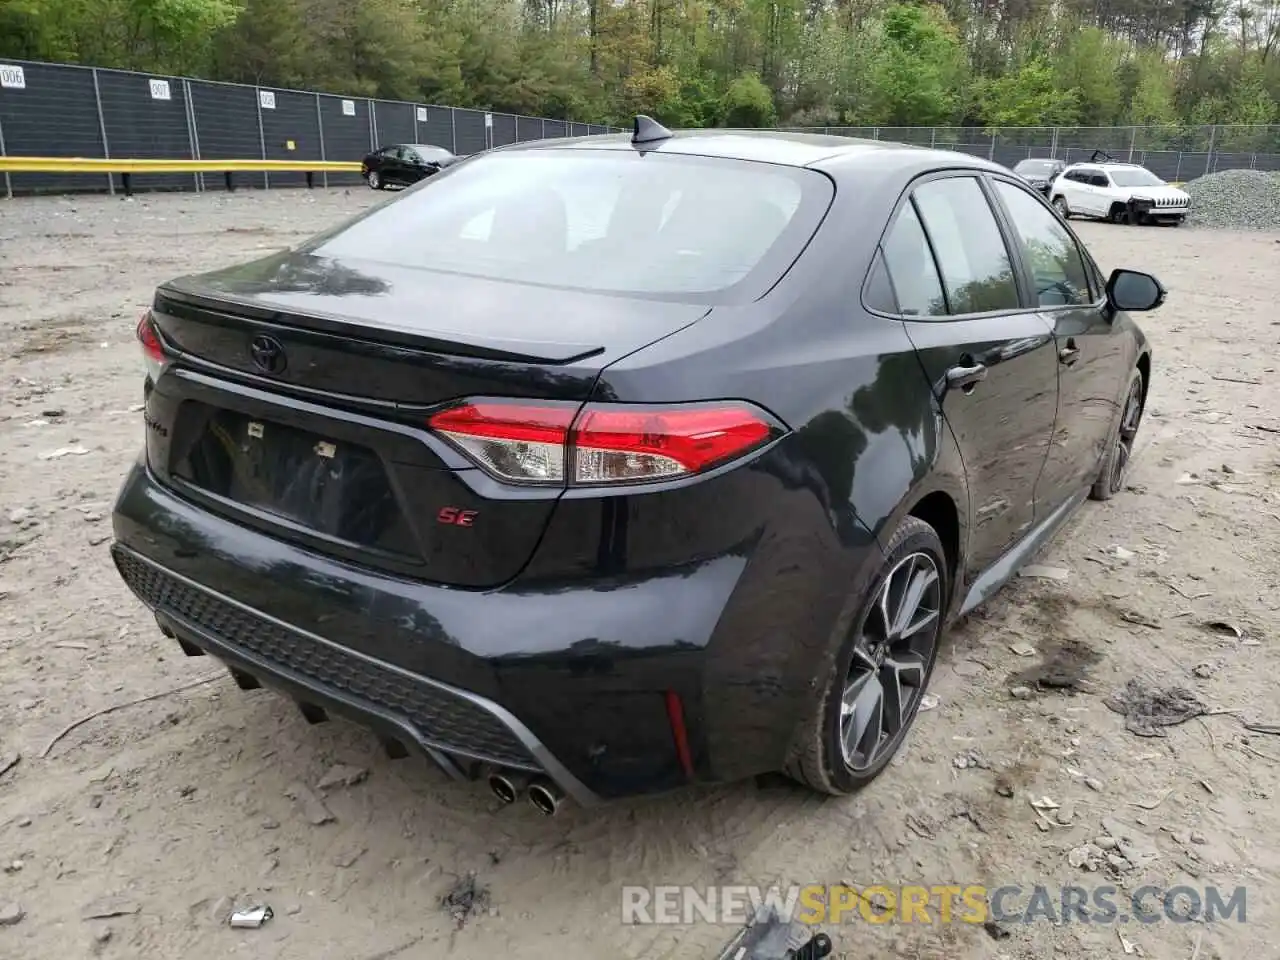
(1021, 693)
(251, 918)
(1022, 649)
(1042, 572)
(996, 930)
(1135, 846)
(767, 936)
(342, 775)
(1148, 709)
(61, 452)
(970, 760)
(465, 899)
(111, 906)
(348, 857)
(1087, 856)
(312, 806)
(1063, 666)
(928, 702)
(1235, 200)
(8, 761)
(11, 913)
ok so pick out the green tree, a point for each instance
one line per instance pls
(748, 103)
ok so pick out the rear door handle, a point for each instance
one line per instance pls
(966, 378)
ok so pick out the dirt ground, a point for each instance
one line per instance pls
(165, 812)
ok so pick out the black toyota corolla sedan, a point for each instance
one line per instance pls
(595, 467)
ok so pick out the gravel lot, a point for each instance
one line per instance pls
(165, 812)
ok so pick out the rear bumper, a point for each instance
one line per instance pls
(571, 680)
(441, 721)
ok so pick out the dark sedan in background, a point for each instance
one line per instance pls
(402, 164)
(605, 465)
(1040, 173)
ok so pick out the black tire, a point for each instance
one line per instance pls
(820, 761)
(375, 180)
(1119, 455)
(1060, 204)
(1119, 213)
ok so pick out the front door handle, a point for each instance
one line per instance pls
(1069, 354)
(966, 378)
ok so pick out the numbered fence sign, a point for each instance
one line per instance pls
(488, 121)
(348, 108)
(422, 114)
(160, 90)
(267, 98)
(12, 77)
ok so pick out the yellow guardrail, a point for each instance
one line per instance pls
(99, 165)
(127, 166)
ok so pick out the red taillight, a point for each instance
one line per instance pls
(607, 443)
(521, 442)
(152, 349)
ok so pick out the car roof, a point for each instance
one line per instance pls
(776, 146)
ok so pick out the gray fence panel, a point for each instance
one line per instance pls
(528, 128)
(346, 135)
(469, 132)
(293, 120)
(557, 128)
(394, 122)
(227, 126)
(438, 129)
(55, 116)
(146, 126)
(579, 130)
(504, 129)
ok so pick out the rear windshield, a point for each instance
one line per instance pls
(617, 221)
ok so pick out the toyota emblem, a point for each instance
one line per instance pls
(267, 353)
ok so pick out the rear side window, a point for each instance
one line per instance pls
(911, 268)
(600, 220)
(977, 273)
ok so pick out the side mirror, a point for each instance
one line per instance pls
(1131, 290)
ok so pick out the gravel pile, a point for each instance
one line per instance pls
(1236, 200)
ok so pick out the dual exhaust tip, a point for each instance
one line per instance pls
(545, 796)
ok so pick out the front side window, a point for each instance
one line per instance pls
(598, 220)
(976, 270)
(1057, 267)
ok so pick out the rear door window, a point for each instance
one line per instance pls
(911, 267)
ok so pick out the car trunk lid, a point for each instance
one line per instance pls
(297, 397)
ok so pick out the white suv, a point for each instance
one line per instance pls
(1119, 192)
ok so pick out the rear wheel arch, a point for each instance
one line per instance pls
(939, 510)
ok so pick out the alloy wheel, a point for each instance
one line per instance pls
(1128, 432)
(375, 181)
(1060, 205)
(891, 659)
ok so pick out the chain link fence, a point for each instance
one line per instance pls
(61, 110)
(1173, 153)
